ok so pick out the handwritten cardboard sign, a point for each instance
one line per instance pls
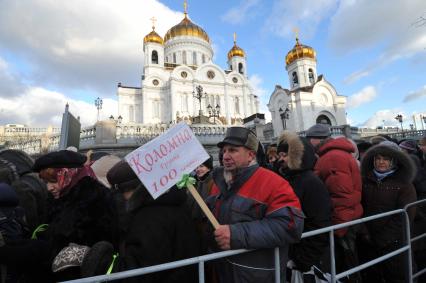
(161, 163)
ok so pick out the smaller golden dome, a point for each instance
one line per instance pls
(153, 37)
(299, 51)
(236, 50)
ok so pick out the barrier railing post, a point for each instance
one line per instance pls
(332, 258)
(408, 242)
(277, 265)
(201, 272)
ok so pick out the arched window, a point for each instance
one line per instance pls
(184, 57)
(295, 79)
(237, 105)
(323, 119)
(203, 58)
(156, 107)
(194, 58)
(217, 100)
(154, 57)
(311, 76)
(241, 68)
(174, 58)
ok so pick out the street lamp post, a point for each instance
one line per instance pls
(285, 115)
(198, 94)
(214, 112)
(399, 119)
(98, 104)
(412, 127)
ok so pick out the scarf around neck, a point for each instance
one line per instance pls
(381, 175)
(69, 177)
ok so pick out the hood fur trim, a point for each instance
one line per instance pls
(296, 149)
(406, 169)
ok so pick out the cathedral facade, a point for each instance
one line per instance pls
(174, 69)
(311, 99)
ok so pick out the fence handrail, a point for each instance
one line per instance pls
(209, 257)
(350, 223)
(160, 267)
(414, 203)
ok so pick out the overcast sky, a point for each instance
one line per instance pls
(54, 52)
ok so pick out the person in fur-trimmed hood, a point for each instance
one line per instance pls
(297, 159)
(387, 174)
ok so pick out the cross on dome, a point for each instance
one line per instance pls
(296, 33)
(153, 20)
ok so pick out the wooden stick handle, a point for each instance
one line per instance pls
(203, 205)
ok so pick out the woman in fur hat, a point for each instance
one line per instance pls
(297, 160)
(80, 209)
(387, 174)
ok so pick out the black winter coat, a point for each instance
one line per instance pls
(393, 192)
(85, 215)
(158, 231)
(314, 198)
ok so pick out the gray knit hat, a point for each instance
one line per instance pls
(318, 131)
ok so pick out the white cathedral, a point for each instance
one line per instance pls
(311, 99)
(174, 69)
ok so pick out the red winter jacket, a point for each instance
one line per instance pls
(262, 212)
(340, 172)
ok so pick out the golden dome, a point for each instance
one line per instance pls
(186, 28)
(299, 51)
(236, 50)
(153, 37)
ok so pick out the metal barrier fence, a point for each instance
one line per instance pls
(334, 277)
(419, 237)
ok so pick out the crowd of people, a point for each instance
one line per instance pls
(68, 215)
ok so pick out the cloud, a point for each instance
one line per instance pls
(385, 116)
(9, 83)
(256, 83)
(363, 24)
(81, 44)
(306, 15)
(41, 107)
(240, 13)
(415, 95)
(365, 95)
(355, 76)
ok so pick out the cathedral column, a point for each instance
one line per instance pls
(141, 107)
(228, 116)
(172, 115)
(244, 101)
